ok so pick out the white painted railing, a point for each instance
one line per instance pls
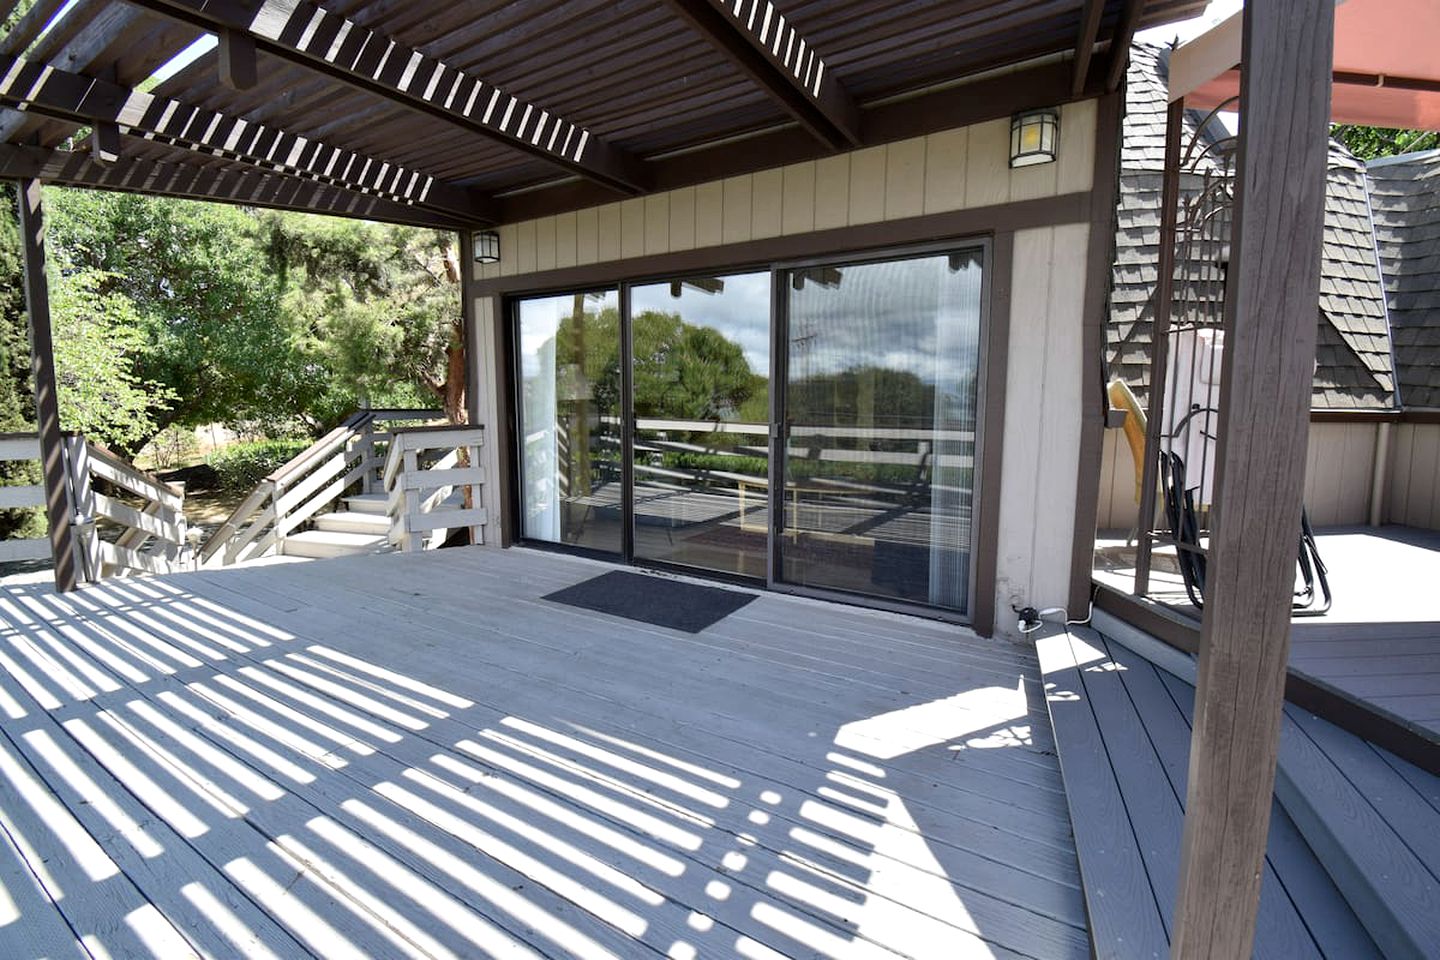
(22, 447)
(348, 459)
(424, 469)
(153, 535)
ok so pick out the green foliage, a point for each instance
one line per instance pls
(1367, 143)
(16, 398)
(98, 337)
(172, 447)
(240, 466)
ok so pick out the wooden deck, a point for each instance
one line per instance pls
(1379, 644)
(417, 756)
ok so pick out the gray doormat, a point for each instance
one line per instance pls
(664, 603)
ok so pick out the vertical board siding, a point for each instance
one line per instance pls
(950, 170)
(1042, 419)
(1414, 488)
(1340, 467)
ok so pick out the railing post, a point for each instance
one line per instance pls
(272, 493)
(82, 491)
(369, 469)
(477, 533)
(411, 507)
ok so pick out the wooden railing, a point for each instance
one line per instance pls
(424, 468)
(349, 458)
(153, 536)
(22, 447)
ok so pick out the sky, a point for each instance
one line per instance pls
(1218, 11)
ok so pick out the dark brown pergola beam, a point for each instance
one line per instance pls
(1269, 361)
(238, 67)
(58, 510)
(1090, 17)
(1120, 43)
(39, 88)
(302, 33)
(246, 187)
(756, 37)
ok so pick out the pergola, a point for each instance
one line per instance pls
(459, 115)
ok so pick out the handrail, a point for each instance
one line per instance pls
(154, 536)
(292, 494)
(423, 468)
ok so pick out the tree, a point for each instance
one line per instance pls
(1367, 143)
(98, 337)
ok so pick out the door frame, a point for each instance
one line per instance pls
(997, 260)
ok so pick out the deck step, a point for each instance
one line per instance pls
(324, 544)
(373, 503)
(1122, 732)
(354, 521)
(1371, 818)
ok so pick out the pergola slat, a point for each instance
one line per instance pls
(305, 34)
(248, 187)
(40, 88)
(1090, 16)
(757, 38)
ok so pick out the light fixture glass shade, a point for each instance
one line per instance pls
(487, 246)
(1033, 136)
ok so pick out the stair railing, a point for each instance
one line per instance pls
(423, 469)
(350, 457)
(153, 536)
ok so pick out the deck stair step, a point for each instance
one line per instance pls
(354, 521)
(372, 503)
(324, 544)
(1122, 731)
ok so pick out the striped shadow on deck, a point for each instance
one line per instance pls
(413, 755)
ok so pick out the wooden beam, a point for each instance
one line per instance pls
(1269, 359)
(238, 68)
(1090, 17)
(41, 88)
(302, 33)
(47, 401)
(755, 36)
(246, 187)
(1198, 61)
(1120, 43)
(105, 142)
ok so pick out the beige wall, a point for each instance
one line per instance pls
(1339, 476)
(1413, 497)
(953, 170)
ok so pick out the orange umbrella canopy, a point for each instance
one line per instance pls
(1387, 66)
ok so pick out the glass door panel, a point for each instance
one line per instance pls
(880, 403)
(570, 405)
(700, 351)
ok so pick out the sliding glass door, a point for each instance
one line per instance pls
(570, 430)
(813, 426)
(700, 349)
(882, 367)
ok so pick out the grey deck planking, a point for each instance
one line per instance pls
(166, 632)
(1123, 727)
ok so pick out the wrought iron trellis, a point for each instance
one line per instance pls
(1187, 339)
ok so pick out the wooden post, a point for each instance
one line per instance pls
(47, 401)
(1272, 289)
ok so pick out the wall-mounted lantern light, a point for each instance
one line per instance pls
(1033, 136)
(487, 246)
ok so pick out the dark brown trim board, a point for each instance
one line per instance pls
(505, 433)
(910, 231)
(992, 433)
(47, 401)
(1419, 415)
(1094, 402)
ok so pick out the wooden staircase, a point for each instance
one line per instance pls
(361, 525)
(1353, 866)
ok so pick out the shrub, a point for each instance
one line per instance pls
(240, 466)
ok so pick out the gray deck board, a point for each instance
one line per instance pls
(1123, 727)
(416, 756)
